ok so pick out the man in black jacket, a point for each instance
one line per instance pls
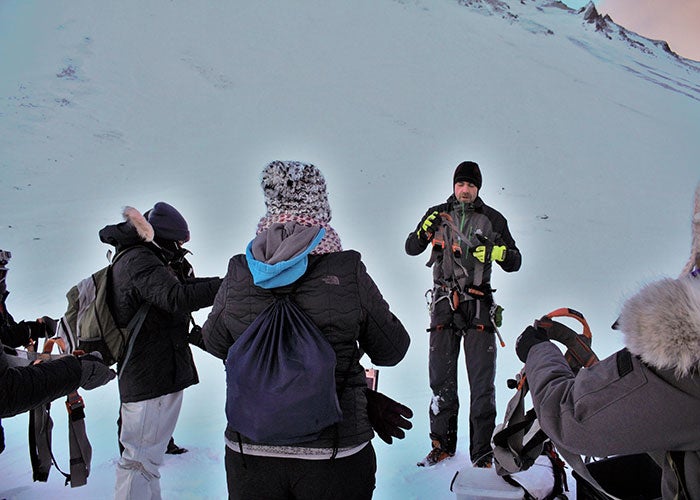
(160, 366)
(467, 237)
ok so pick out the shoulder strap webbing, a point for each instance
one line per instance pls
(134, 327)
(40, 426)
(136, 322)
(79, 444)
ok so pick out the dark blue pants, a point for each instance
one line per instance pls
(267, 478)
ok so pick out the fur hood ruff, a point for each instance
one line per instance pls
(143, 227)
(661, 324)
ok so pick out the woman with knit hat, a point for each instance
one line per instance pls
(296, 250)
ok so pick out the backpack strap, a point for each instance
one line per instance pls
(137, 320)
(40, 426)
(134, 327)
(79, 444)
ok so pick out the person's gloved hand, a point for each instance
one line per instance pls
(498, 253)
(429, 224)
(531, 336)
(482, 253)
(195, 337)
(43, 327)
(50, 325)
(95, 372)
(37, 330)
(388, 417)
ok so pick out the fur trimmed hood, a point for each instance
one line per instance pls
(661, 324)
(134, 230)
(143, 227)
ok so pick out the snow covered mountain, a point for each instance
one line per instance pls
(586, 133)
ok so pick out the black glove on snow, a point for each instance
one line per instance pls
(388, 417)
(531, 336)
(95, 372)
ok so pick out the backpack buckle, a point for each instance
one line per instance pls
(74, 403)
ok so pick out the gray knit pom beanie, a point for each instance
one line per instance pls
(294, 187)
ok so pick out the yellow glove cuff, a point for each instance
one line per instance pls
(498, 253)
(480, 253)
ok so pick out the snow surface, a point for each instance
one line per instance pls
(588, 141)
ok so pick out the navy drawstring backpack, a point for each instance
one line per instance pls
(280, 378)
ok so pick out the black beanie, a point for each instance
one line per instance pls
(168, 223)
(468, 171)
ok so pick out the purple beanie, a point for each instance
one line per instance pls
(168, 223)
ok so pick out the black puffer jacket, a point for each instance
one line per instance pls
(161, 361)
(346, 305)
(27, 387)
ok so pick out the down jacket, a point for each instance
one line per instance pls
(161, 361)
(643, 399)
(346, 305)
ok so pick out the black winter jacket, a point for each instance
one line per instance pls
(161, 361)
(26, 387)
(346, 305)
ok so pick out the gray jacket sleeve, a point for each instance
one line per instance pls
(618, 406)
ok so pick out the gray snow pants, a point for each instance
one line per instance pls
(480, 358)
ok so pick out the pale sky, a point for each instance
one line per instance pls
(676, 21)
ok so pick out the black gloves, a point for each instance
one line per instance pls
(44, 327)
(195, 337)
(388, 417)
(531, 336)
(94, 372)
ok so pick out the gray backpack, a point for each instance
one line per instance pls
(88, 324)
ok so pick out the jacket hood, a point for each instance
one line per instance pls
(135, 229)
(661, 324)
(278, 256)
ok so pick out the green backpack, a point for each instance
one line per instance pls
(88, 324)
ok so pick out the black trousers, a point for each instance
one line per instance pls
(267, 478)
(480, 359)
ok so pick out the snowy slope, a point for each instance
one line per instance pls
(586, 134)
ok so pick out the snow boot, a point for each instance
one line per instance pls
(174, 449)
(437, 454)
(483, 463)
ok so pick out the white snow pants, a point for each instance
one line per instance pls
(146, 430)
